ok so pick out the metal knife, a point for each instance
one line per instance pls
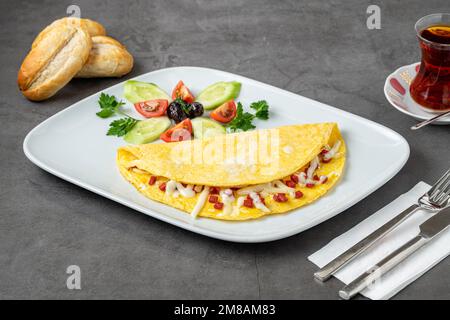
(428, 230)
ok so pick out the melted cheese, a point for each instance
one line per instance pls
(175, 189)
(239, 204)
(313, 166)
(227, 200)
(281, 187)
(171, 187)
(187, 191)
(272, 187)
(200, 202)
(333, 151)
(258, 203)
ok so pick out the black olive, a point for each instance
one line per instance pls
(192, 110)
(196, 109)
(175, 112)
(189, 111)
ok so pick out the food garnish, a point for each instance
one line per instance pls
(152, 102)
(218, 93)
(137, 91)
(244, 120)
(262, 109)
(182, 92)
(205, 128)
(109, 105)
(121, 126)
(175, 111)
(179, 110)
(152, 108)
(195, 109)
(225, 113)
(146, 131)
(181, 132)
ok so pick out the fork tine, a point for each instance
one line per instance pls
(441, 189)
(446, 197)
(437, 185)
(445, 190)
(444, 201)
(446, 187)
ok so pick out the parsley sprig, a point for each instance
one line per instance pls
(262, 109)
(244, 120)
(110, 106)
(121, 126)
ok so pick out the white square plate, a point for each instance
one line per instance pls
(73, 145)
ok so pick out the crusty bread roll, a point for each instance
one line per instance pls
(108, 58)
(54, 61)
(93, 28)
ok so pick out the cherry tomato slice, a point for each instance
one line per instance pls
(225, 113)
(152, 108)
(181, 132)
(181, 91)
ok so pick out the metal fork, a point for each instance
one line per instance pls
(435, 199)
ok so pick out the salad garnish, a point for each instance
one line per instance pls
(225, 113)
(262, 109)
(152, 108)
(244, 120)
(121, 126)
(110, 106)
(180, 110)
(181, 91)
(181, 132)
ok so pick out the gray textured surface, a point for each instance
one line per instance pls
(321, 50)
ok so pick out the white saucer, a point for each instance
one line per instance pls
(396, 90)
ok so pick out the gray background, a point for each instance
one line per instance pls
(321, 50)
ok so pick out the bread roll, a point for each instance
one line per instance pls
(108, 58)
(94, 28)
(54, 61)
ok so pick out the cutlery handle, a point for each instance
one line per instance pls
(324, 273)
(382, 267)
(427, 122)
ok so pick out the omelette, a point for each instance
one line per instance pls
(239, 176)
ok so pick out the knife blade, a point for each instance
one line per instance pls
(436, 224)
(428, 230)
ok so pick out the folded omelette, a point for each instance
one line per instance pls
(239, 176)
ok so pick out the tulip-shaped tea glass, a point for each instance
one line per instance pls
(431, 86)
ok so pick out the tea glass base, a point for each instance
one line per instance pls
(396, 90)
(432, 111)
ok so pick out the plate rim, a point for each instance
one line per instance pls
(413, 115)
(193, 227)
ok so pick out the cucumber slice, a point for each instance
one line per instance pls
(137, 91)
(218, 93)
(205, 128)
(146, 131)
